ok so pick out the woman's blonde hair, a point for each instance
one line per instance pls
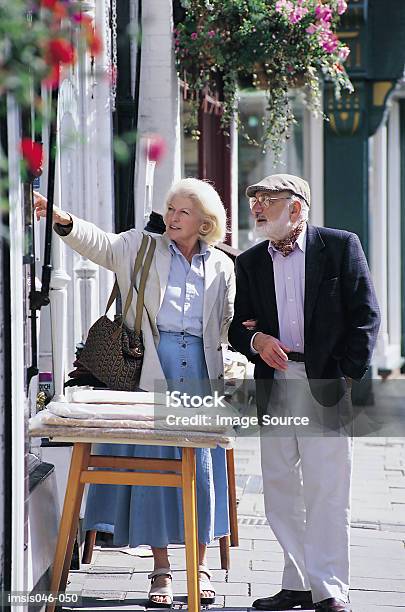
(210, 204)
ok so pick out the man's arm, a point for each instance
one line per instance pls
(362, 311)
(239, 336)
(266, 347)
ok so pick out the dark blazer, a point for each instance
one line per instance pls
(341, 314)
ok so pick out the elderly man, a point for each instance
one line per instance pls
(316, 319)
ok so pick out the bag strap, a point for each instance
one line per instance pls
(115, 292)
(142, 283)
(137, 266)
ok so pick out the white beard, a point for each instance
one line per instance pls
(276, 230)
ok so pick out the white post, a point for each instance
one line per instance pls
(98, 185)
(378, 235)
(159, 108)
(234, 186)
(86, 297)
(19, 400)
(144, 183)
(394, 236)
(58, 299)
(313, 165)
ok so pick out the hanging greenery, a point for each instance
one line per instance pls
(37, 39)
(274, 44)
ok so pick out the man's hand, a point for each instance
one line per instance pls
(272, 351)
(40, 206)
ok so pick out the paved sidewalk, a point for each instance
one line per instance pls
(117, 580)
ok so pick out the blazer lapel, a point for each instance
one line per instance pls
(314, 265)
(211, 281)
(163, 260)
(265, 285)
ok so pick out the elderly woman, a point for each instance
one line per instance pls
(188, 307)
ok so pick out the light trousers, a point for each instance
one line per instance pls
(306, 482)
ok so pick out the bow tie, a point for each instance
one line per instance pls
(287, 244)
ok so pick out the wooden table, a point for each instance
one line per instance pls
(181, 473)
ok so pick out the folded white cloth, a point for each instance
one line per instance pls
(83, 395)
(140, 416)
(46, 417)
(46, 424)
(136, 412)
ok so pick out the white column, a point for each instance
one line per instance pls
(394, 236)
(86, 297)
(313, 165)
(378, 236)
(58, 305)
(159, 109)
(98, 186)
(19, 402)
(234, 186)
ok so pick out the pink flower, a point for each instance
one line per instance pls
(343, 53)
(323, 12)
(329, 41)
(194, 35)
(298, 13)
(342, 7)
(312, 28)
(157, 148)
(211, 34)
(284, 6)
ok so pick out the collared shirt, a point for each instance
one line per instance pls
(289, 283)
(183, 302)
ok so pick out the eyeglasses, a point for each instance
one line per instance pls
(265, 200)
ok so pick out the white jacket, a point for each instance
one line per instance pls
(117, 252)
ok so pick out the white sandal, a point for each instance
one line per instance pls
(205, 585)
(160, 591)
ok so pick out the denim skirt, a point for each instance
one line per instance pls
(154, 515)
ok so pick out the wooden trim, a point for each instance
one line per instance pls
(191, 528)
(131, 478)
(117, 462)
(69, 520)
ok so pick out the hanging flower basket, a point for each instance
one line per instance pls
(273, 44)
(36, 42)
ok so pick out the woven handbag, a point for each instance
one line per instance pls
(113, 353)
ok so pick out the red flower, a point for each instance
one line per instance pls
(32, 155)
(52, 80)
(49, 4)
(58, 9)
(94, 43)
(60, 51)
(157, 148)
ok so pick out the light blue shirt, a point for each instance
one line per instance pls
(183, 302)
(289, 283)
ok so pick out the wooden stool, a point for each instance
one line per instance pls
(224, 542)
(182, 474)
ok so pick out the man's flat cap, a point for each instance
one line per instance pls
(282, 182)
